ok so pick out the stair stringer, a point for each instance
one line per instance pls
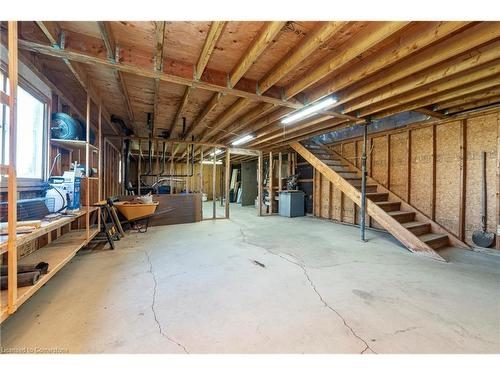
(407, 238)
(405, 206)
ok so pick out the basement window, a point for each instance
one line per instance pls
(31, 115)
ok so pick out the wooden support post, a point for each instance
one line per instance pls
(320, 192)
(172, 152)
(187, 169)
(433, 192)
(214, 176)
(271, 187)
(259, 182)
(201, 169)
(280, 163)
(139, 169)
(87, 169)
(388, 161)
(157, 151)
(330, 197)
(99, 163)
(12, 183)
(228, 178)
(363, 185)
(463, 179)
(408, 167)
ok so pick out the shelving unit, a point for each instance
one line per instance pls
(71, 233)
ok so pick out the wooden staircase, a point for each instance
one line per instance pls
(411, 227)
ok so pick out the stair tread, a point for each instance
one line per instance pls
(395, 213)
(431, 236)
(383, 203)
(413, 224)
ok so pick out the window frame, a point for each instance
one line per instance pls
(33, 183)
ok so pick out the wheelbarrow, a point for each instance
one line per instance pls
(135, 212)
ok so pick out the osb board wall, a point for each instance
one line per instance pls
(388, 164)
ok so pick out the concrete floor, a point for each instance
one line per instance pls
(263, 285)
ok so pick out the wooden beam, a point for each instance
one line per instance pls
(465, 89)
(180, 109)
(259, 44)
(111, 50)
(248, 118)
(151, 73)
(354, 48)
(266, 36)
(473, 105)
(317, 38)
(431, 80)
(260, 196)
(213, 102)
(227, 182)
(408, 44)
(208, 47)
(431, 113)
(314, 40)
(158, 66)
(462, 42)
(493, 91)
(224, 118)
(52, 32)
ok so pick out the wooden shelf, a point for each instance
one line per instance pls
(56, 254)
(47, 226)
(72, 145)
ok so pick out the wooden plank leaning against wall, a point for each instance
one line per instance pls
(436, 166)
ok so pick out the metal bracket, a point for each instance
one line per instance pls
(229, 82)
(257, 89)
(62, 39)
(117, 54)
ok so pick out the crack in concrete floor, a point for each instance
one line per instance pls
(313, 286)
(160, 328)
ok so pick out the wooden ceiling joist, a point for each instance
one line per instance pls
(442, 96)
(109, 42)
(208, 47)
(457, 44)
(481, 95)
(408, 44)
(158, 61)
(483, 72)
(474, 104)
(315, 40)
(56, 37)
(265, 37)
(356, 47)
(450, 68)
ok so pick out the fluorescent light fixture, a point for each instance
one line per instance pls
(211, 162)
(243, 139)
(217, 152)
(309, 110)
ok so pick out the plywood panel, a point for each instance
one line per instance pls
(380, 157)
(421, 169)
(448, 175)
(325, 198)
(399, 163)
(480, 137)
